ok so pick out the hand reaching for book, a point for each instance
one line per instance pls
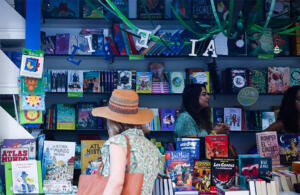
(221, 128)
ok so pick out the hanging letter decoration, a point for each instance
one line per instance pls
(71, 58)
(144, 38)
(210, 48)
(193, 47)
(89, 39)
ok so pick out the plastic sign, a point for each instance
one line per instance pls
(248, 96)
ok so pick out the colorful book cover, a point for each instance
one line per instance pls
(152, 9)
(98, 43)
(124, 79)
(91, 82)
(122, 5)
(75, 83)
(176, 82)
(288, 150)
(233, 117)
(62, 43)
(55, 187)
(167, 116)
(278, 79)
(32, 64)
(189, 73)
(294, 76)
(262, 44)
(191, 145)
(238, 79)
(216, 146)
(77, 160)
(89, 12)
(58, 160)
(256, 167)
(32, 85)
(31, 117)
(223, 171)
(202, 78)
(65, 116)
(83, 46)
(201, 9)
(281, 44)
(62, 9)
(118, 39)
(218, 115)
(258, 80)
(90, 153)
(32, 102)
(158, 70)
(143, 82)
(267, 145)
(202, 175)
(178, 167)
(18, 150)
(267, 119)
(85, 118)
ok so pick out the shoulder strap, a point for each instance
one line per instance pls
(128, 154)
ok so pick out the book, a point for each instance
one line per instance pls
(258, 80)
(91, 81)
(62, 42)
(62, 9)
(236, 79)
(151, 9)
(216, 146)
(85, 119)
(256, 167)
(281, 44)
(75, 83)
(58, 160)
(288, 150)
(143, 82)
(124, 79)
(282, 9)
(32, 102)
(32, 63)
(267, 119)
(31, 117)
(267, 146)
(202, 78)
(90, 154)
(218, 115)
(294, 76)
(54, 187)
(238, 45)
(167, 116)
(176, 82)
(202, 175)
(260, 45)
(202, 10)
(233, 117)
(178, 167)
(232, 190)
(32, 85)
(223, 171)
(89, 12)
(191, 145)
(182, 8)
(278, 79)
(65, 116)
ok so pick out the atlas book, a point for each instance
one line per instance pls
(191, 145)
(223, 171)
(143, 82)
(178, 167)
(176, 82)
(65, 118)
(85, 119)
(233, 117)
(216, 146)
(91, 81)
(202, 175)
(278, 79)
(58, 160)
(90, 155)
(267, 145)
(288, 148)
(294, 76)
(167, 116)
(258, 80)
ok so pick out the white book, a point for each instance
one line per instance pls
(233, 117)
(274, 188)
(252, 188)
(258, 188)
(264, 187)
(269, 189)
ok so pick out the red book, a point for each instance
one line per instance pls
(132, 44)
(216, 146)
(112, 45)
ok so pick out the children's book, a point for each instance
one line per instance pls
(202, 78)
(157, 69)
(256, 167)
(258, 80)
(178, 167)
(62, 43)
(58, 160)
(83, 45)
(216, 146)
(236, 79)
(191, 145)
(65, 116)
(89, 12)
(91, 82)
(32, 63)
(124, 79)
(176, 82)
(294, 76)
(90, 154)
(75, 83)
(218, 115)
(201, 9)
(238, 46)
(62, 9)
(32, 102)
(281, 44)
(152, 9)
(143, 82)
(233, 117)
(32, 85)
(267, 146)
(167, 116)
(267, 119)
(31, 117)
(223, 171)
(202, 175)
(55, 187)
(85, 119)
(278, 79)
(98, 43)
(263, 44)
(288, 150)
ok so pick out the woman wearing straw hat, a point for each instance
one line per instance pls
(125, 119)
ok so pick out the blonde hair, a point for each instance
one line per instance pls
(115, 128)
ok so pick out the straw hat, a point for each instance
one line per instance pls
(123, 107)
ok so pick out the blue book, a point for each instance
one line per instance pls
(167, 116)
(191, 145)
(218, 115)
(288, 151)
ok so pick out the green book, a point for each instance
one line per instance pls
(32, 85)
(31, 117)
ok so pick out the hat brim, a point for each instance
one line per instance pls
(143, 116)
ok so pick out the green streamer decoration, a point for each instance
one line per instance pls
(95, 8)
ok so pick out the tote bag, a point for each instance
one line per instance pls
(95, 184)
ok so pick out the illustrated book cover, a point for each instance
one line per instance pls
(65, 118)
(278, 79)
(167, 116)
(216, 146)
(202, 175)
(223, 171)
(143, 82)
(85, 119)
(191, 145)
(288, 148)
(91, 81)
(267, 145)
(233, 117)
(75, 83)
(176, 82)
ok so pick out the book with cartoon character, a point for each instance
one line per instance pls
(233, 117)
(143, 82)
(32, 85)
(75, 83)
(288, 151)
(65, 116)
(85, 119)
(278, 79)
(202, 175)
(216, 146)
(167, 119)
(223, 171)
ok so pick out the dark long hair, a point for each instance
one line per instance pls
(190, 104)
(288, 113)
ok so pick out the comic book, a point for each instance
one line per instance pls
(223, 171)
(191, 145)
(288, 151)
(216, 146)
(202, 175)
(143, 82)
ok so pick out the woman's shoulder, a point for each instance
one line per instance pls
(184, 115)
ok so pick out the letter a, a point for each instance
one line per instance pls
(211, 48)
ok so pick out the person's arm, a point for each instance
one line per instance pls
(221, 128)
(118, 162)
(276, 126)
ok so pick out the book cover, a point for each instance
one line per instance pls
(31, 117)
(190, 72)
(40, 146)
(91, 81)
(201, 9)
(256, 167)
(143, 82)
(294, 76)
(216, 146)
(191, 145)
(90, 153)
(258, 80)
(75, 83)
(58, 160)
(118, 39)
(282, 9)
(55, 187)
(65, 116)
(218, 115)
(124, 79)
(176, 82)
(62, 9)
(223, 171)
(77, 160)
(233, 117)
(267, 119)
(32, 85)
(267, 145)
(278, 79)
(83, 45)
(288, 150)
(157, 69)
(32, 63)
(262, 44)
(182, 8)
(178, 167)
(237, 79)
(151, 9)
(62, 43)
(281, 44)
(238, 46)
(85, 118)
(32, 102)
(89, 12)
(122, 5)
(167, 116)
(50, 44)
(202, 78)
(202, 175)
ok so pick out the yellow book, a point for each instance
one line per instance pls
(202, 78)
